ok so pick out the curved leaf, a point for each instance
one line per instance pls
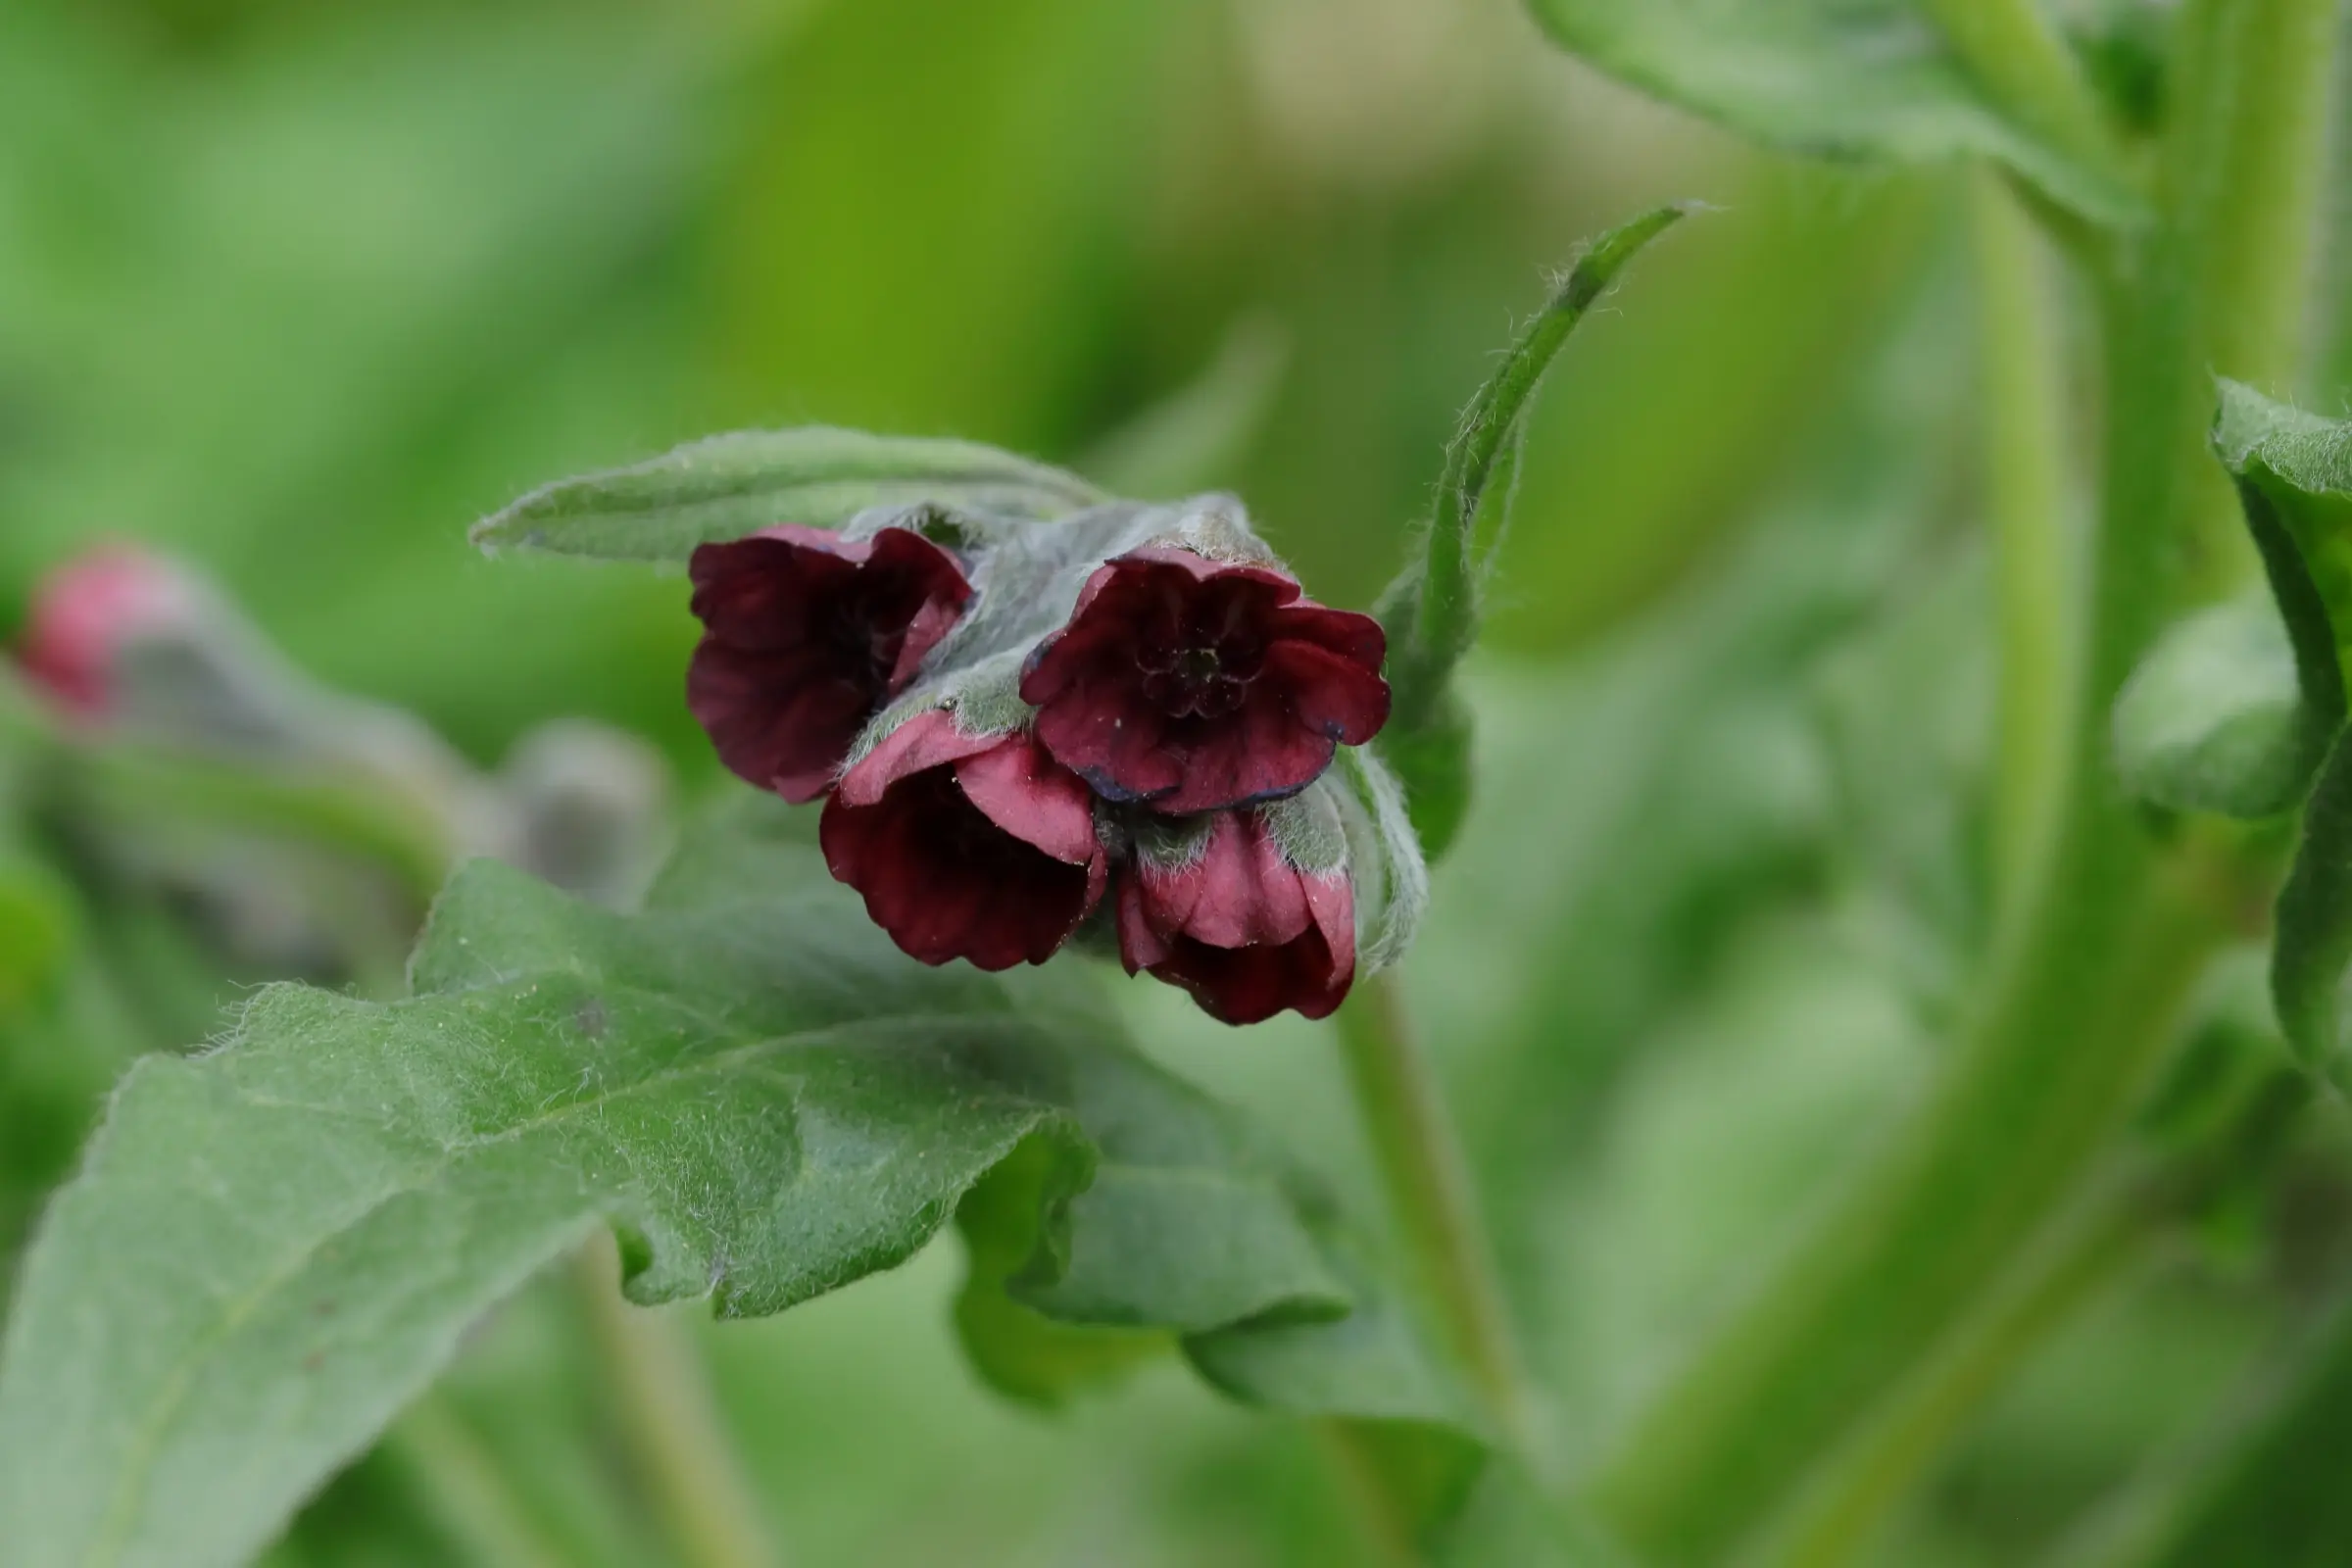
(1432, 610)
(725, 486)
(1850, 78)
(2313, 946)
(2235, 709)
(275, 1245)
(2295, 476)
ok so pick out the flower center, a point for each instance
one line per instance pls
(1202, 679)
(864, 642)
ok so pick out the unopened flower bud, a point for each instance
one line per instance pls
(86, 612)
(1251, 911)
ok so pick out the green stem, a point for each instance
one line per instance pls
(2027, 500)
(1835, 1526)
(1427, 1184)
(1387, 1533)
(681, 1448)
(2086, 984)
(345, 813)
(465, 1490)
(2257, 75)
(2243, 182)
(2018, 58)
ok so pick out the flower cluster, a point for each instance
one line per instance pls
(1123, 721)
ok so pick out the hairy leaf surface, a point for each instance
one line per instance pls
(2295, 476)
(1848, 78)
(2215, 720)
(272, 1245)
(2234, 710)
(725, 486)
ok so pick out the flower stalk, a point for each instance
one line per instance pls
(1427, 1184)
(684, 1457)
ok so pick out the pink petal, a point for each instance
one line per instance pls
(1027, 794)
(1332, 899)
(1141, 945)
(927, 740)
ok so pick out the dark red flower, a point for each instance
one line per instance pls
(1194, 684)
(805, 636)
(967, 846)
(1238, 926)
(87, 610)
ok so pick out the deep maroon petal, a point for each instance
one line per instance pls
(758, 591)
(1352, 635)
(1119, 748)
(1141, 943)
(777, 721)
(805, 636)
(1261, 754)
(1175, 559)
(1248, 985)
(948, 883)
(1197, 685)
(917, 586)
(1332, 696)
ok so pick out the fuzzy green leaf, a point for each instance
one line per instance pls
(2295, 476)
(2235, 709)
(726, 486)
(2215, 720)
(2313, 947)
(1845, 78)
(275, 1245)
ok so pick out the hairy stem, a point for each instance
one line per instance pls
(2026, 498)
(1427, 1184)
(2086, 984)
(683, 1451)
(464, 1488)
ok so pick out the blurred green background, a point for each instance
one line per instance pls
(298, 291)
